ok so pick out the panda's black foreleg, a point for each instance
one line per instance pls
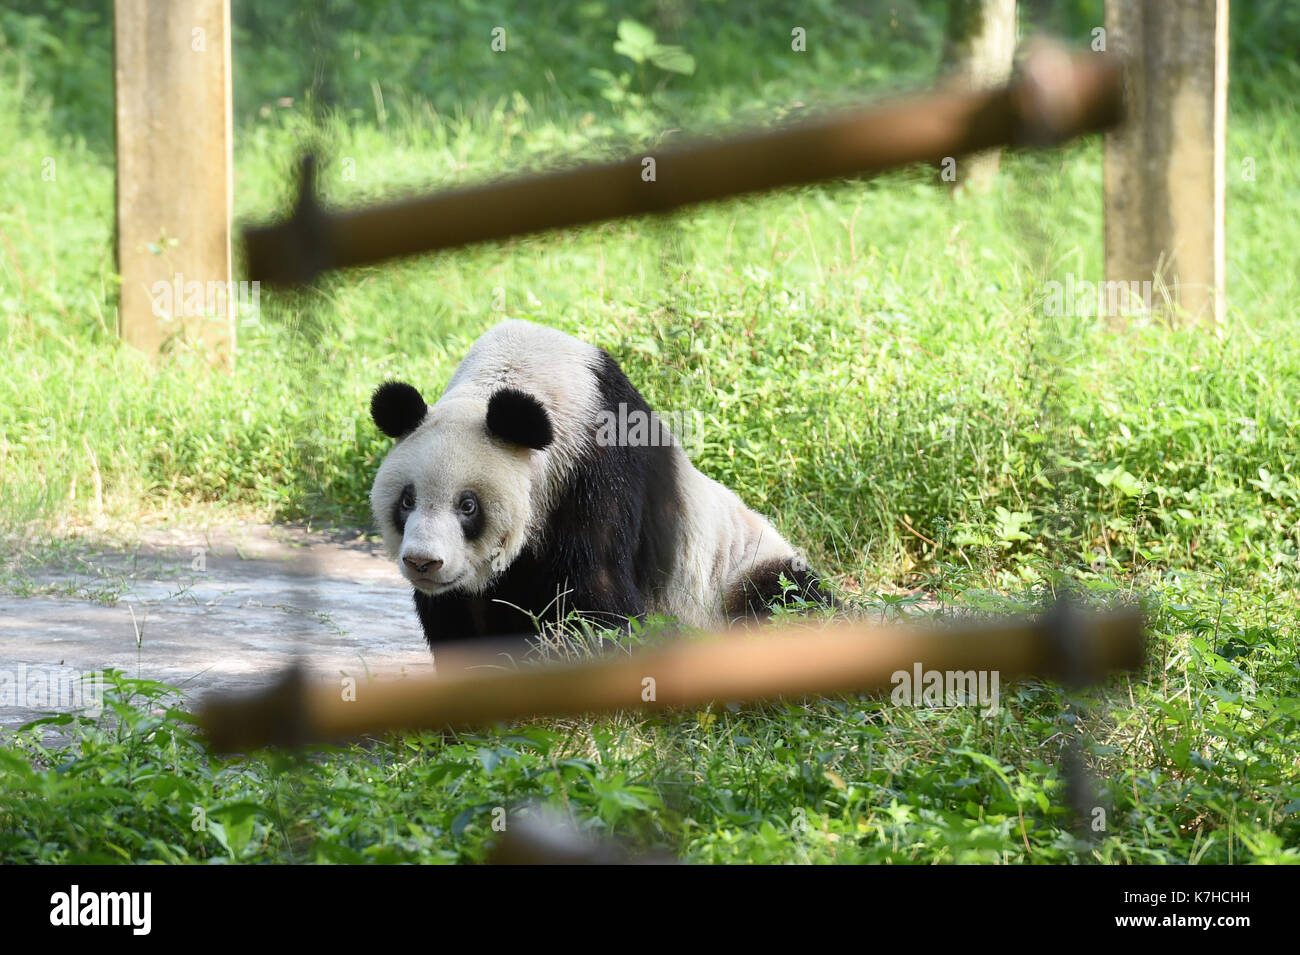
(607, 597)
(604, 598)
(447, 618)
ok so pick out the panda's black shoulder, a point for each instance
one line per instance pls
(618, 520)
(613, 385)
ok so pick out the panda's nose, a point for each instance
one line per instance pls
(422, 565)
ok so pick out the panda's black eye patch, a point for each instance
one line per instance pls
(471, 514)
(403, 506)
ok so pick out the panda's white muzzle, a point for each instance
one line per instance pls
(432, 555)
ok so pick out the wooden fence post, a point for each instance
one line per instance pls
(174, 174)
(1164, 170)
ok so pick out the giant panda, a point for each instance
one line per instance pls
(505, 503)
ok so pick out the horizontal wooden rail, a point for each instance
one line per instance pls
(1057, 96)
(475, 690)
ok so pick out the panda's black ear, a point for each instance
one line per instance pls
(519, 418)
(397, 408)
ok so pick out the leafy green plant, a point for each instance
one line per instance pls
(638, 43)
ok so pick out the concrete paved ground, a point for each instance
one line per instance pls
(205, 611)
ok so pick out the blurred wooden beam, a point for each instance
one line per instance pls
(1059, 96)
(1164, 170)
(174, 173)
(476, 689)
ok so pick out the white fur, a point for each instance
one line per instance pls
(722, 541)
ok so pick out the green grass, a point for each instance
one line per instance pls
(873, 367)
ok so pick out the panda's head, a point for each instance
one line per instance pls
(453, 497)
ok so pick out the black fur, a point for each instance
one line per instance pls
(400, 512)
(519, 418)
(397, 408)
(753, 597)
(471, 518)
(610, 542)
